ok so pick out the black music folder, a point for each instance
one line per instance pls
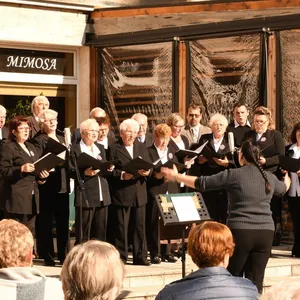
(289, 164)
(169, 164)
(136, 164)
(85, 161)
(55, 147)
(48, 162)
(269, 151)
(190, 153)
(210, 153)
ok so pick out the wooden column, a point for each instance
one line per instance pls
(271, 79)
(182, 78)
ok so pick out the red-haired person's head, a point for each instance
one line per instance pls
(210, 244)
(18, 129)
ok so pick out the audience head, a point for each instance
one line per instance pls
(104, 124)
(288, 289)
(218, 124)
(262, 119)
(143, 123)
(2, 116)
(295, 135)
(48, 120)
(241, 113)
(16, 244)
(210, 244)
(97, 112)
(250, 154)
(194, 115)
(176, 122)
(38, 104)
(128, 131)
(92, 270)
(18, 129)
(162, 134)
(89, 131)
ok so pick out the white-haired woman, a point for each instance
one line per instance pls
(129, 193)
(96, 196)
(92, 270)
(54, 195)
(216, 201)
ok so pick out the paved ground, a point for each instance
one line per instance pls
(281, 255)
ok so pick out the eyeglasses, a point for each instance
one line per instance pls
(259, 122)
(194, 115)
(24, 129)
(91, 131)
(50, 120)
(130, 132)
(178, 126)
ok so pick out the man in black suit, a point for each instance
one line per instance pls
(3, 129)
(143, 135)
(129, 193)
(38, 104)
(240, 125)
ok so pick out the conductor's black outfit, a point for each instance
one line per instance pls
(94, 212)
(155, 187)
(129, 197)
(19, 191)
(54, 204)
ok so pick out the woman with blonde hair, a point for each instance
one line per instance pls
(92, 270)
(54, 195)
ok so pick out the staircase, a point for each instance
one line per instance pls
(144, 283)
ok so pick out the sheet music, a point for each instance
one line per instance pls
(185, 208)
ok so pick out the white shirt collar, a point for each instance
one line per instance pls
(296, 150)
(236, 124)
(95, 151)
(104, 143)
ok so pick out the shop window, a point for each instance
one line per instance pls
(290, 64)
(137, 79)
(223, 71)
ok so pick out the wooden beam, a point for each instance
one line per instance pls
(180, 9)
(182, 79)
(94, 95)
(271, 76)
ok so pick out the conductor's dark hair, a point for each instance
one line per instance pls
(293, 134)
(251, 152)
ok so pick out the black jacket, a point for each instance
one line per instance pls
(16, 187)
(271, 145)
(127, 193)
(91, 186)
(58, 179)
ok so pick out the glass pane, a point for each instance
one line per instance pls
(138, 79)
(290, 55)
(223, 71)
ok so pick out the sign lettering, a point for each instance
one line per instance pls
(36, 62)
(31, 62)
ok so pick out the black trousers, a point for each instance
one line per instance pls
(251, 254)
(153, 230)
(121, 216)
(53, 207)
(27, 219)
(216, 203)
(94, 223)
(294, 208)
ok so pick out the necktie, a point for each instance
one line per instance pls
(195, 136)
